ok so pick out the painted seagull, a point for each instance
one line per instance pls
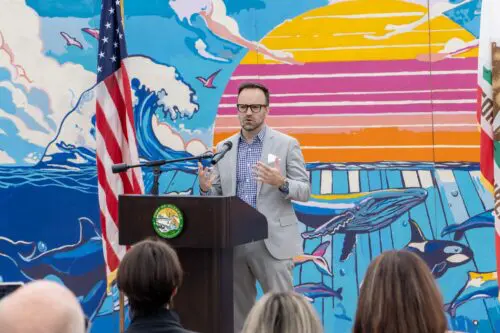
(71, 40)
(79, 266)
(357, 213)
(440, 255)
(92, 32)
(483, 220)
(208, 82)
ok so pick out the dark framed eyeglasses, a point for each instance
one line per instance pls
(253, 107)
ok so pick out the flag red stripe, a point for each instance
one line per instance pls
(111, 257)
(130, 117)
(135, 182)
(115, 94)
(112, 146)
(497, 251)
(486, 157)
(111, 198)
(112, 86)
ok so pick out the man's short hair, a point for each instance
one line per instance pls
(254, 85)
(148, 275)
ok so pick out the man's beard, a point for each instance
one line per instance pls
(250, 126)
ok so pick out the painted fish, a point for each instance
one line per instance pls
(479, 285)
(317, 258)
(317, 290)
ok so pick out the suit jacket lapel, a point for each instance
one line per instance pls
(266, 149)
(232, 155)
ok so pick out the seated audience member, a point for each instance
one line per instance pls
(149, 276)
(399, 295)
(282, 312)
(42, 307)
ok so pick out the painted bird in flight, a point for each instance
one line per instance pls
(71, 40)
(208, 82)
(92, 32)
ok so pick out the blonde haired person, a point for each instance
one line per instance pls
(282, 312)
(399, 295)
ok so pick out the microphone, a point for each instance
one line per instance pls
(116, 168)
(225, 148)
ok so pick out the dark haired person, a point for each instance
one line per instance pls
(149, 275)
(399, 295)
(266, 169)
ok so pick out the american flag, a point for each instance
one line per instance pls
(115, 134)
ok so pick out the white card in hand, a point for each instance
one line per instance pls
(271, 158)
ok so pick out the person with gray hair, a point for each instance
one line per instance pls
(282, 312)
(43, 307)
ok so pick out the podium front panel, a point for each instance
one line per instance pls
(209, 221)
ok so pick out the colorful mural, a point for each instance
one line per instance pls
(380, 94)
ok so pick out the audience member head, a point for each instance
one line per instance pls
(284, 312)
(399, 295)
(149, 276)
(42, 307)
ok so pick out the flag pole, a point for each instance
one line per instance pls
(122, 312)
(121, 296)
(122, 11)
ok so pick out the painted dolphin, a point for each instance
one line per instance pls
(483, 220)
(440, 255)
(317, 290)
(355, 213)
(479, 285)
(79, 266)
(317, 258)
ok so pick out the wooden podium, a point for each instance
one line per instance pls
(213, 226)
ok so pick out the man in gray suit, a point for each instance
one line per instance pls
(266, 169)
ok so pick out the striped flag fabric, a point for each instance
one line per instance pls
(115, 131)
(488, 93)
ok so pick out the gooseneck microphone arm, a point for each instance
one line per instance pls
(121, 167)
(117, 168)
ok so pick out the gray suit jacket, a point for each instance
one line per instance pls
(284, 241)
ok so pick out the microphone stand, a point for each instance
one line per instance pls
(117, 168)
